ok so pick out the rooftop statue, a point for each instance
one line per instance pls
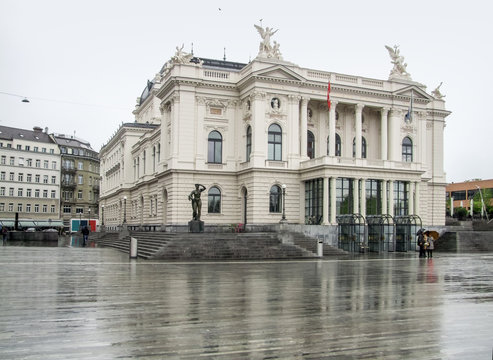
(265, 47)
(436, 93)
(399, 71)
(181, 57)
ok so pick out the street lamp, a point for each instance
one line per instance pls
(102, 215)
(283, 203)
(124, 209)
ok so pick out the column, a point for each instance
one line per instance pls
(333, 210)
(363, 197)
(355, 195)
(384, 198)
(384, 133)
(332, 128)
(358, 111)
(259, 145)
(321, 144)
(325, 220)
(411, 197)
(303, 128)
(393, 137)
(391, 198)
(293, 131)
(417, 198)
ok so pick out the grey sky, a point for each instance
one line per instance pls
(82, 64)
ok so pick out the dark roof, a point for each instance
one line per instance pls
(141, 125)
(219, 64)
(146, 92)
(10, 133)
(66, 140)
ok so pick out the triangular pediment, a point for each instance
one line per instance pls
(279, 72)
(416, 91)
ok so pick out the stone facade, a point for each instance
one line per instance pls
(29, 175)
(245, 130)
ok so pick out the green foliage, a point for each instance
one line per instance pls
(461, 212)
(487, 196)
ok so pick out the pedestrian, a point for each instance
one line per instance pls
(85, 235)
(430, 247)
(421, 244)
(4, 235)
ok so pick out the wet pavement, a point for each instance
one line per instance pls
(93, 303)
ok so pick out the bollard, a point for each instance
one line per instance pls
(320, 248)
(133, 248)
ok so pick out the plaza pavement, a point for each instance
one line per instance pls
(95, 303)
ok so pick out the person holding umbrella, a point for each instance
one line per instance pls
(431, 244)
(421, 243)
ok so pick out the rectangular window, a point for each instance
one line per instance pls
(45, 193)
(38, 163)
(45, 179)
(28, 192)
(52, 208)
(28, 207)
(45, 208)
(53, 194)
(11, 207)
(52, 151)
(67, 209)
(29, 162)
(29, 178)
(79, 210)
(80, 165)
(2, 206)
(344, 196)
(20, 177)
(314, 196)
(2, 191)
(43, 150)
(53, 165)
(28, 148)
(11, 176)
(21, 161)
(401, 200)
(46, 164)
(19, 207)
(53, 179)
(459, 195)
(20, 192)
(81, 179)
(373, 197)
(79, 195)
(36, 208)
(2, 176)
(11, 191)
(12, 161)
(4, 160)
(19, 147)
(37, 178)
(36, 193)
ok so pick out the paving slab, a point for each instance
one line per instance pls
(96, 303)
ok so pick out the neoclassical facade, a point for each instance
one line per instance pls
(251, 132)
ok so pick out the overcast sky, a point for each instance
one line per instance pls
(82, 64)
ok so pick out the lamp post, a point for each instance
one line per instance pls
(124, 209)
(283, 220)
(88, 218)
(102, 215)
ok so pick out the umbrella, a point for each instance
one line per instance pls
(420, 231)
(434, 234)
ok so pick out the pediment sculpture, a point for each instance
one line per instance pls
(266, 49)
(399, 71)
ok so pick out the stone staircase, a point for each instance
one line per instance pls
(217, 246)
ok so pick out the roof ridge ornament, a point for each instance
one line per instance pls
(399, 70)
(266, 49)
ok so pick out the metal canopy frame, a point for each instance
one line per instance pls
(380, 233)
(406, 228)
(351, 232)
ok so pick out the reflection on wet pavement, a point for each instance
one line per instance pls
(81, 303)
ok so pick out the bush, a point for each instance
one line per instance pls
(461, 213)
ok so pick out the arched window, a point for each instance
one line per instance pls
(248, 143)
(214, 200)
(310, 145)
(363, 147)
(407, 149)
(338, 145)
(275, 199)
(275, 142)
(215, 148)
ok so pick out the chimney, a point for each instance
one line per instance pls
(37, 129)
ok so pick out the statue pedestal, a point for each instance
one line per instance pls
(195, 226)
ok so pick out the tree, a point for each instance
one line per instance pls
(487, 197)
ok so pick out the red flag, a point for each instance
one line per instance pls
(328, 96)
